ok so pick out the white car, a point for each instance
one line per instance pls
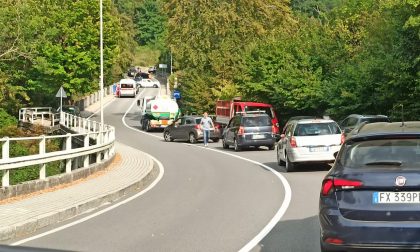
(126, 87)
(309, 140)
(149, 83)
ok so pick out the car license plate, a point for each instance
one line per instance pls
(164, 122)
(396, 197)
(258, 136)
(318, 149)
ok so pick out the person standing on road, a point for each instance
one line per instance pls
(206, 125)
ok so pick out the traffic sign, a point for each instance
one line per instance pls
(163, 66)
(177, 94)
(61, 93)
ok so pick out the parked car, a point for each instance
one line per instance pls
(149, 83)
(309, 141)
(70, 109)
(188, 128)
(370, 199)
(249, 129)
(353, 121)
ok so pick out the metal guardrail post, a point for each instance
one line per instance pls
(68, 147)
(86, 157)
(5, 181)
(42, 167)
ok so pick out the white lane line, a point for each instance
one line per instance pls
(279, 214)
(153, 184)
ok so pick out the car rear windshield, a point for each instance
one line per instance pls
(266, 110)
(380, 153)
(375, 119)
(126, 85)
(315, 129)
(256, 121)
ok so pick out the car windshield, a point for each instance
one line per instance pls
(380, 153)
(314, 129)
(375, 119)
(256, 121)
(197, 120)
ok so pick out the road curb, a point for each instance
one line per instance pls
(31, 225)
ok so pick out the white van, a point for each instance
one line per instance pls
(126, 87)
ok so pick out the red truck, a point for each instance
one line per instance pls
(225, 110)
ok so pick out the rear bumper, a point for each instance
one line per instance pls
(301, 155)
(367, 235)
(243, 142)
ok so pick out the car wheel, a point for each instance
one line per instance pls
(225, 146)
(272, 147)
(215, 140)
(147, 125)
(236, 146)
(167, 136)
(155, 86)
(192, 139)
(290, 166)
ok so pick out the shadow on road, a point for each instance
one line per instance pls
(300, 168)
(291, 236)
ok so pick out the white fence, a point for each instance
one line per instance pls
(102, 137)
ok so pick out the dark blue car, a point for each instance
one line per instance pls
(370, 199)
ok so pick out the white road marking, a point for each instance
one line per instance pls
(279, 214)
(153, 184)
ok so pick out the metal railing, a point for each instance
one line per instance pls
(102, 144)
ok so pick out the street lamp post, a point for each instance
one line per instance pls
(101, 82)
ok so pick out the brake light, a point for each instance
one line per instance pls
(329, 184)
(332, 240)
(343, 138)
(241, 131)
(293, 142)
(197, 126)
(273, 129)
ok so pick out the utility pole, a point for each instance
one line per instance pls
(101, 82)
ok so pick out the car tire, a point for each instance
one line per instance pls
(192, 139)
(290, 166)
(271, 147)
(155, 86)
(225, 146)
(167, 136)
(236, 146)
(147, 125)
(215, 140)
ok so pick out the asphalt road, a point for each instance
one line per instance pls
(206, 201)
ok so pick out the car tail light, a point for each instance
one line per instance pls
(197, 126)
(241, 131)
(293, 142)
(343, 138)
(329, 184)
(333, 240)
(273, 129)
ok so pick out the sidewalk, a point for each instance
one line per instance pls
(131, 171)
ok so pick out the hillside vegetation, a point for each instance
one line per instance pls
(303, 56)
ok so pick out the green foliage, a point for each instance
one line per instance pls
(6, 120)
(150, 24)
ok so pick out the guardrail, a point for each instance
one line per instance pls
(86, 130)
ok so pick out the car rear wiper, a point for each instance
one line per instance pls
(396, 163)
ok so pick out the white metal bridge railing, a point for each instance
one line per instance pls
(95, 139)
